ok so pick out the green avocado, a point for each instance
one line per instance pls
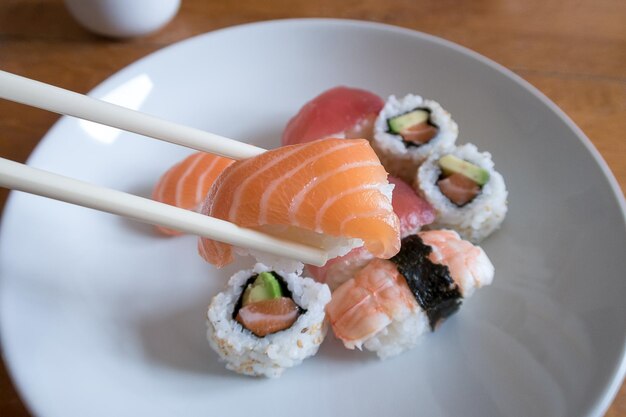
(450, 164)
(399, 123)
(264, 287)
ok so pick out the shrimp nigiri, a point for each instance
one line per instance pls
(185, 184)
(390, 303)
(329, 188)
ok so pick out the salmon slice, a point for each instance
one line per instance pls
(459, 189)
(338, 112)
(413, 213)
(333, 187)
(420, 133)
(185, 184)
(268, 316)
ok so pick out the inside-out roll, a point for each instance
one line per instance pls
(407, 130)
(468, 195)
(267, 321)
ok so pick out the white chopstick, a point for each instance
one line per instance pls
(55, 99)
(35, 181)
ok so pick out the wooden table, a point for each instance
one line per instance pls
(573, 51)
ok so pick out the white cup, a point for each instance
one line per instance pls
(123, 18)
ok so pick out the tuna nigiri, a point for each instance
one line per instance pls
(412, 210)
(413, 213)
(185, 184)
(340, 112)
(327, 188)
(390, 303)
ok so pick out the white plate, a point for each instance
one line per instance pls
(101, 317)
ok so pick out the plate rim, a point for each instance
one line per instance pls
(600, 404)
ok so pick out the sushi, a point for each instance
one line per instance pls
(267, 321)
(331, 192)
(186, 183)
(413, 213)
(340, 112)
(394, 274)
(390, 303)
(466, 192)
(407, 130)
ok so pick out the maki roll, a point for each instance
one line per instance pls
(466, 192)
(407, 130)
(389, 304)
(267, 321)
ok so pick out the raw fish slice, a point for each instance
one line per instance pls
(185, 184)
(339, 112)
(333, 187)
(413, 212)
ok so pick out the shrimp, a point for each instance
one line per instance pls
(369, 302)
(469, 265)
(388, 304)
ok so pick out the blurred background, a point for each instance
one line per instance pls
(574, 51)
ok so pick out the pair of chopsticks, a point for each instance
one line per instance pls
(21, 177)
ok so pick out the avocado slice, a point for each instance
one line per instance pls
(450, 164)
(264, 287)
(399, 123)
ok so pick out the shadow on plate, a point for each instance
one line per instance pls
(177, 340)
(333, 350)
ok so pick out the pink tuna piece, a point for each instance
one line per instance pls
(413, 211)
(338, 112)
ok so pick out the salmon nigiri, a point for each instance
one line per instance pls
(339, 112)
(327, 188)
(185, 184)
(413, 213)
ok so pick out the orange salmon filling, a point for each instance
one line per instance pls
(459, 189)
(268, 316)
(420, 133)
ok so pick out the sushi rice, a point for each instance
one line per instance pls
(267, 356)
(400, 335)
(396, 157)
(477, 219)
